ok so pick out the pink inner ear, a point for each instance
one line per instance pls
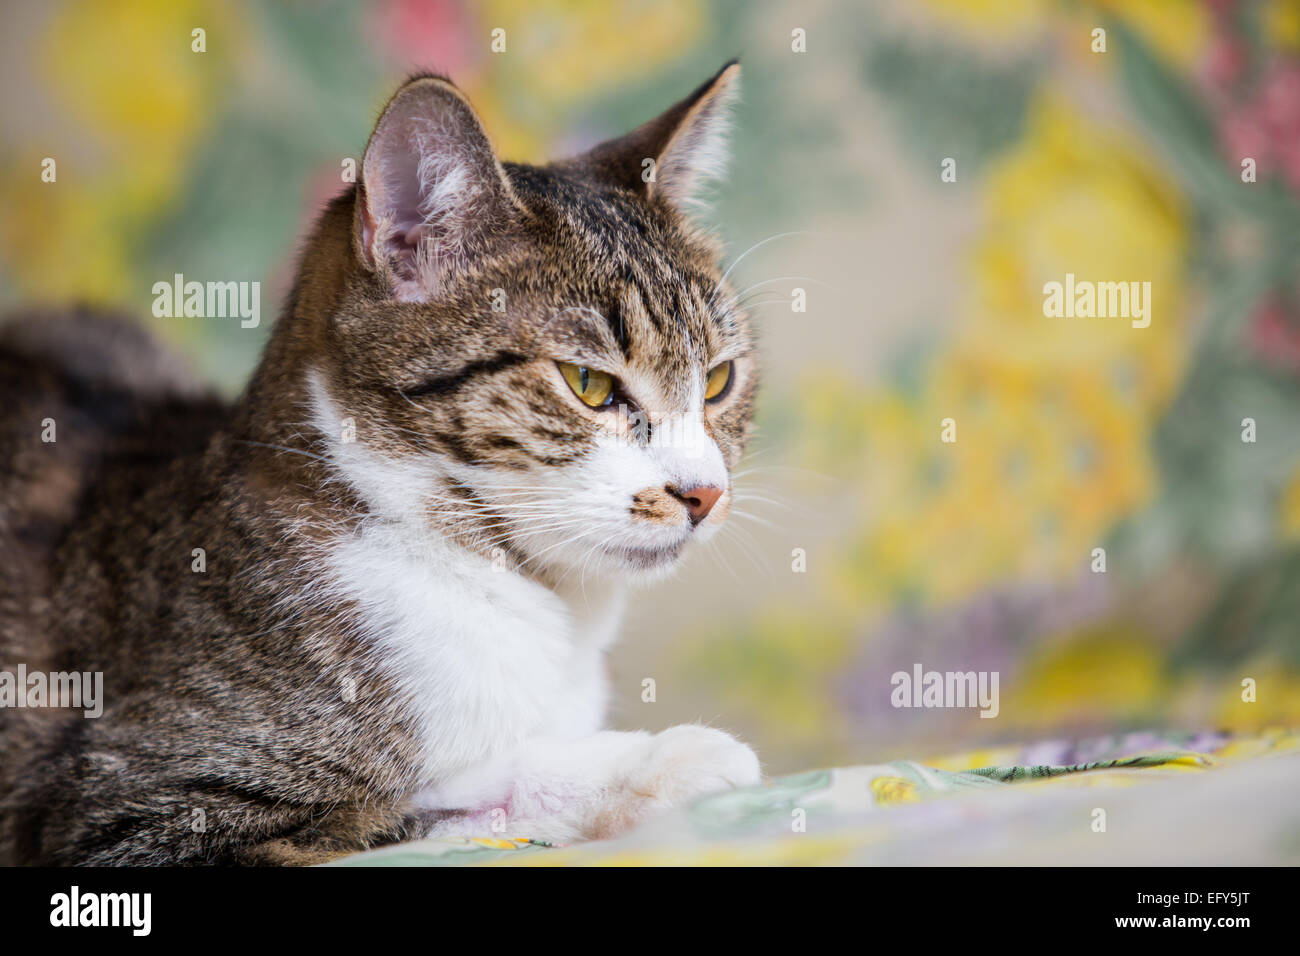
(395, 197)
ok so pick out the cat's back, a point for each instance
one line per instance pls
(82, 393)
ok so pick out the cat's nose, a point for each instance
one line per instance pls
(699, 501)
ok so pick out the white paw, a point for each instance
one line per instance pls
(678, 766)
(689, 761)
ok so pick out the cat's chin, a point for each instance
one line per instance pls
(648, 560)
(631, 564)
(649, 564)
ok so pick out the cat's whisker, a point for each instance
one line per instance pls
(750, 547)
(761, 297)
(482, 498)
(295, 451)
(716, 551)
(543, 523)
(526, 522)
(549, 523)
(741, 539)
(582, 577)
(790, 469)
(506, 510)
(565, 575)
(756, 246)
(764, 499)
(760, 305)
(748, 516)
(518, 519)
(826, 285)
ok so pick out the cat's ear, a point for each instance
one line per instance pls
(678, 154)
(432, 191)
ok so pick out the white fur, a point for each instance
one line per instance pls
(698, 154)
(505, 675)
(446, 175)
(561, 790)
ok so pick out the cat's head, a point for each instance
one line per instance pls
(542, 360)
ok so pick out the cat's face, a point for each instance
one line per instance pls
(544, 361)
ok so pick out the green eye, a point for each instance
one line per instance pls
(593, 387)
(717, 382)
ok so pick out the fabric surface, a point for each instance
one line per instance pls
(1205, 799)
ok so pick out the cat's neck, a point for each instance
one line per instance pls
(272, 406)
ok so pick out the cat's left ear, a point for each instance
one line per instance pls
(678, 154)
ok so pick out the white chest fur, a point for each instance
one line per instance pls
(486, 658)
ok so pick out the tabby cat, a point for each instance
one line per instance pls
(371, 600)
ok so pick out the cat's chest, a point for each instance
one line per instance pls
(484, 659)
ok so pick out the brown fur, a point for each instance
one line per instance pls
(222, 688)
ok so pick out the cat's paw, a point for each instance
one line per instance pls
(678, 766)
(690, 761)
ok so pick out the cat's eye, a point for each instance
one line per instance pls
(594, 388)
(717, 382)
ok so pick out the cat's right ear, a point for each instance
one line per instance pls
(432, 191)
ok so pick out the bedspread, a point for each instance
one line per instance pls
(1137, 799)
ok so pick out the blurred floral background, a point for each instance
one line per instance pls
(864, 544)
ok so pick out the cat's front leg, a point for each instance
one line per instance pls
(590, 788)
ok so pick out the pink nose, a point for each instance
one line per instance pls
(698, 501)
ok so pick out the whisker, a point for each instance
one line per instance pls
(826, 285)
(755, 518)
(746, 543)
(756, 246)
(296, 451)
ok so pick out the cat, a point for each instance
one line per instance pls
(371, 600)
